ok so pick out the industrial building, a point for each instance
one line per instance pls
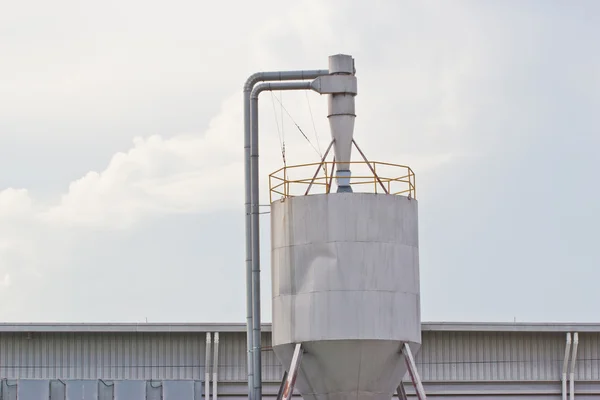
(345, 303)
(169, 361)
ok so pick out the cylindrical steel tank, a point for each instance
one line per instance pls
(345, 276)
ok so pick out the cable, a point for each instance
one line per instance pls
(298, 126)
(313, 123)
(279, 132)
(282, 124)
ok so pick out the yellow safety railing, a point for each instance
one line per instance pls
(320, 177)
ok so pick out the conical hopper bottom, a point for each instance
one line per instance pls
(348, 369)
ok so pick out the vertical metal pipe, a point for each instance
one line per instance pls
(215, 366)
(207, 368)
(254, 179)
(248, 221)
(565, 365)
(573, 360)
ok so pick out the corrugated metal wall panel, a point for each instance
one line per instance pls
(448, 356)
(233, 359)
(272, 370)
(102, 356)
(444, 356)
(114, 356)
(587, 366)
(485, 356)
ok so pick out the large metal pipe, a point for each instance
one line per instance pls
(248, 87)
(255, 223)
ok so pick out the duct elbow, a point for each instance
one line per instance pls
(256, 90)
(567, 352)
(252, 80)
(282, 76)
(574, 353)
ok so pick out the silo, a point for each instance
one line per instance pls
(345, 268)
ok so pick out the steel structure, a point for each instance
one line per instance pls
(345, 271)
(312, 289)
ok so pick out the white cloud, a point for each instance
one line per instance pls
(15, 204)
(183, 174)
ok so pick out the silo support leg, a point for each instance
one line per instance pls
(287, 389)
(414, 374)
(283, 381)
(401, 392)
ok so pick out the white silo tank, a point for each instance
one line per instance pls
(345, 280)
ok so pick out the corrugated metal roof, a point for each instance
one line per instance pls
(240, 327)
(126, 327)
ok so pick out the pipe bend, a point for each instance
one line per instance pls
(567, 353)
(573, 361)
(261, 87)
(252, 80)
(574, 353)
(282, 76)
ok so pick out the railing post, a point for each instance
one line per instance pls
(286, 186)
(374, 175)
(332, 174)
(326, 178)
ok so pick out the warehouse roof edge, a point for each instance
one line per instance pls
(240, 327)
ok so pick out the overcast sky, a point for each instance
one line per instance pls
(121, 149)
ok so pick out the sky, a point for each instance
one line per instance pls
(121, 149)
